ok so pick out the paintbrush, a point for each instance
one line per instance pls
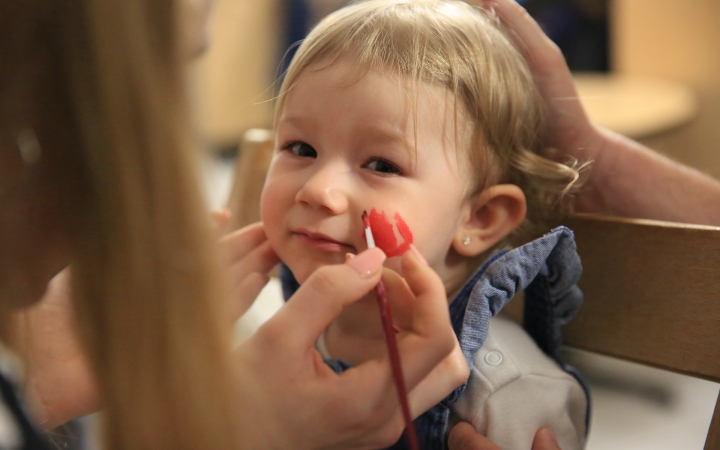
(391, 343)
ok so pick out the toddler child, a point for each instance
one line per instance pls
(424, 114)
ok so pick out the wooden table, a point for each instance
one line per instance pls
(635, 106)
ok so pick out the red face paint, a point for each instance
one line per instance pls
(384, 234)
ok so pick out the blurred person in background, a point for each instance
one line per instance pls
(97, 171)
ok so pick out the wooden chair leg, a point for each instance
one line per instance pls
(713, 437)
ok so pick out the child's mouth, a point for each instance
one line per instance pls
(321, 242)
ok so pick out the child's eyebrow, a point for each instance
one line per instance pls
(298, 123)
(297, 120)
(384, 134)
(389, 137)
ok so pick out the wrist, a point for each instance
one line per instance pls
(596, 151)
(54, 401)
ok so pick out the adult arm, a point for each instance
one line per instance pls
(286, 390)
(626, 177)
(59, 384)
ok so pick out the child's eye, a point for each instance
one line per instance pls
(383, 166)
(301, 149)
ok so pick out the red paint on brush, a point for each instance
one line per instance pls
(390, 330)
(384, 233)
(366, 220)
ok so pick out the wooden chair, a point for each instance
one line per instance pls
(652, 289)
(251, 166)
(652, 296)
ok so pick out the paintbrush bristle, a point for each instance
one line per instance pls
(365, 219)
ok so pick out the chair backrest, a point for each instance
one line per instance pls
(652, 289)
(652, 296)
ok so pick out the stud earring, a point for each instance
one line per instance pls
(466, 240)
(29, 147)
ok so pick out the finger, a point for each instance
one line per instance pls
(238, 244)
(464, 437)
(570, 127)
(542, 54)
(440, 382)
(401, 299)
(321, 298)
(424, 282)
(432, 338)
(545, 440)
(451, 371)
(372, 383)
(539, 48)
(221, 219)
(259, 259)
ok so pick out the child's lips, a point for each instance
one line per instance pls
(321, 241)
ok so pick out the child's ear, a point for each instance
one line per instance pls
(493, 214)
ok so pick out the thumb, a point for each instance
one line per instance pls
(464, 437)
(545, 440)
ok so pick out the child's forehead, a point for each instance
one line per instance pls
(345, 74)
(380, 92)
(347, 71)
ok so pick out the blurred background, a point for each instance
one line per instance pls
(649, 69)
(671, 45)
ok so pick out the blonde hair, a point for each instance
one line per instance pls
(150, 304)
(464, 49)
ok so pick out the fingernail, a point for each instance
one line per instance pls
(419, 255)
(348, 256)
(367, 262)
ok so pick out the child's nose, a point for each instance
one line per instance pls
(324, 190)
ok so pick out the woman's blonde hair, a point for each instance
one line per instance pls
(464, 49)
(145, 275)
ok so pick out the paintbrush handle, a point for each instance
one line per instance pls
(395, 364)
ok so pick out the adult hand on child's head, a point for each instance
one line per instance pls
(570, 129)
(464, 437)
(663, 190)
(294, 400)
(249, 258)
(569, 125)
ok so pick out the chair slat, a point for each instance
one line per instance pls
(652, 293)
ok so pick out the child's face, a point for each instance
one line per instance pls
(344, 146)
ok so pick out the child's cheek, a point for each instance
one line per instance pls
(385, 235)
(271, 212)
